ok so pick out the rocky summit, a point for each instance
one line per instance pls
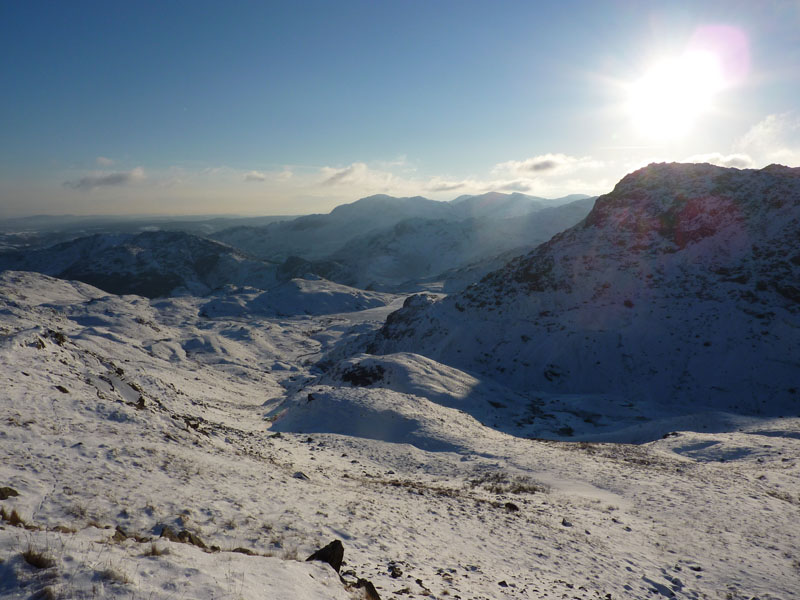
(682, 285)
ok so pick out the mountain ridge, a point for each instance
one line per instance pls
(681, 285)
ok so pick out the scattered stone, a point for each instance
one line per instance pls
(187, 537)
(8, 492)
(511, 507)
(300, 475)
(425, 590)
(58, 337)
(565, 522)
(119, 534)
(395, 571)
(62, 389)
(502, 583)
(166, 532)
(140, 403)
(246, 551)
(332, 554)
(370, 593)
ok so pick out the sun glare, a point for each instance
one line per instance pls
(674, 94)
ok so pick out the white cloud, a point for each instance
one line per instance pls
(519, 185)
(738, 161)
(359, 174)
(443, 184)
(255, 176)
(103, 161)
(101, 179)
(774, 139)
(544, 165)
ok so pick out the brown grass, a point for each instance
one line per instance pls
(40, 560)
(154, 550)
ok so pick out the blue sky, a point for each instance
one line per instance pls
(294, 107)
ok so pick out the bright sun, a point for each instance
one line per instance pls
(674, 94)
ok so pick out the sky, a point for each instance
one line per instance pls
(295, 107)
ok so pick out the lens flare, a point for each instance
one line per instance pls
(673, 94)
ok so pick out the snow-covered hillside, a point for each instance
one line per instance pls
(309, 296)
(316, 237)
(147, 451)
(151, 264)
(387, 243)
(681, 287)
(420, 251)
(507, 206)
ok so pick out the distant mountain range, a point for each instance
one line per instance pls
(682, 285)
(403, 244)
(41, 231)
(380, 242)
(150, 264)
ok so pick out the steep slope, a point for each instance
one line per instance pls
(315, 237)
(506, 206)
(150, 264)
(404, 256)
(497, 204)
(123, 418)
(681, 286)
(391, 243)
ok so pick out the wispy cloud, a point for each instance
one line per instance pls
(738, 161)
(119, 178)
(351, 174)
(544, 165)
(774, 139)
(515, 186)
(438, 184)
(358, 174)
(104, 161)
(255, 176)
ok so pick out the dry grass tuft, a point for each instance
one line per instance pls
(502, 483)
(154, 550)
(40, 560)
(112, 575)
(14, 519)
(45, 593)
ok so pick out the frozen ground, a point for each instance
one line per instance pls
(119, 412)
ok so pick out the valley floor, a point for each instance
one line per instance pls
(121, 416)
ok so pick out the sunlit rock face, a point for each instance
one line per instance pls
(681, 285)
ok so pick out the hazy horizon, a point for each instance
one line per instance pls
(290, 109)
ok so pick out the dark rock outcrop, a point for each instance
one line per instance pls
(332, 554)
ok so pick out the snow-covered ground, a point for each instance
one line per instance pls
(121, 412)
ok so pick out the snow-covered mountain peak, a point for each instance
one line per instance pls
(384, 205)
(681, 284)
